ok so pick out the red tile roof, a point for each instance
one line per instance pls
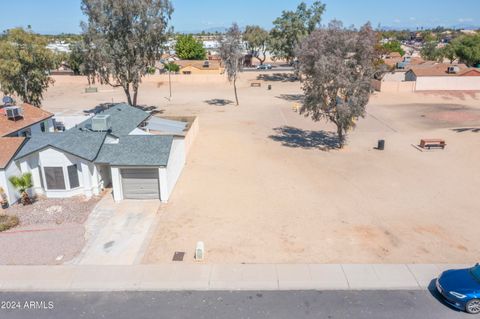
(31, 115)
(9, 146)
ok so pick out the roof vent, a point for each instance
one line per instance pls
(453, 69)
(101, 123)
(13, 112)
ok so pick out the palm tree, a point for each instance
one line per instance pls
(22, 184)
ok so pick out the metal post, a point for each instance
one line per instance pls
(170, 84)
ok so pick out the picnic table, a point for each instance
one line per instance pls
(432, 142)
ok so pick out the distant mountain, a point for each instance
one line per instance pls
(465, 27)
(456, 27)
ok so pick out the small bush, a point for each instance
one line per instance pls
(172, 67)
(7, 222)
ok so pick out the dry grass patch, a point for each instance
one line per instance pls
(7, 222)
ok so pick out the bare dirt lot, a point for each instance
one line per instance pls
(261, 184)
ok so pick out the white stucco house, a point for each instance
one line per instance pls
(111, 148)
(9, 147)
(16, 123)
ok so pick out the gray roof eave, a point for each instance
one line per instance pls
(52, 146)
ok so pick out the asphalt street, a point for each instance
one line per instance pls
(209, 305)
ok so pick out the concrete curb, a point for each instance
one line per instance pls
(229, 277)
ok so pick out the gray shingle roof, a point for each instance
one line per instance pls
(137, 150)
(124, 119)
(131, 150)
(84, 144)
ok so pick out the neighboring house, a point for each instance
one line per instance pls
(9, 147)
(444, 77)
(199, 66)
(110, 148)
(63, 69)
(393, 82)
(395, 61)
(24, 120)
(16, 123)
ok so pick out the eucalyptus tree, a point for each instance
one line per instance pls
(336, 66)
(126, 38)
(256, 40)
(231, 53)
(467, 49)
(292, 27)
(25, 63)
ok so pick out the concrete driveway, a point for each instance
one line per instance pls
(117, 233)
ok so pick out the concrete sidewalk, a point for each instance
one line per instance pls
(219, 277)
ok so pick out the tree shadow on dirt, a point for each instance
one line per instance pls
(278, 77)
(152, 109)
(291, 97)
(105, 106)
(298, 138)
(218, 102)
(452, 95)
(99, 108)
(467, 129)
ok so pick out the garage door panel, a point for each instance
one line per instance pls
(140, 183)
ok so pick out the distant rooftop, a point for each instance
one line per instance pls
(441, 69)
(199, 64)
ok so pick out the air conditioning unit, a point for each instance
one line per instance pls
(101, 123)
(453, 69)
(13, 112)
(206, 64)
(200, 251)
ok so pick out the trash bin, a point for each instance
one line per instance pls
(381, 145)
(269, 87)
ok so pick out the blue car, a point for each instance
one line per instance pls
(461, 288)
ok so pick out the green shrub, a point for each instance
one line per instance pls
(172, 67)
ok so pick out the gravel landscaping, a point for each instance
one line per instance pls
(54, 211)
(51, 231)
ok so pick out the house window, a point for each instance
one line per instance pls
(73, 176)
(43, 127)
(54, 177)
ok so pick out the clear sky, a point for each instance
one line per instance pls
(57, 16)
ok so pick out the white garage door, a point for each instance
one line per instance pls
(140, 183)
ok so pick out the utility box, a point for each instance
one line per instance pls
(91, 90)
(200, 251)
(381, 145)
(101, 123)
